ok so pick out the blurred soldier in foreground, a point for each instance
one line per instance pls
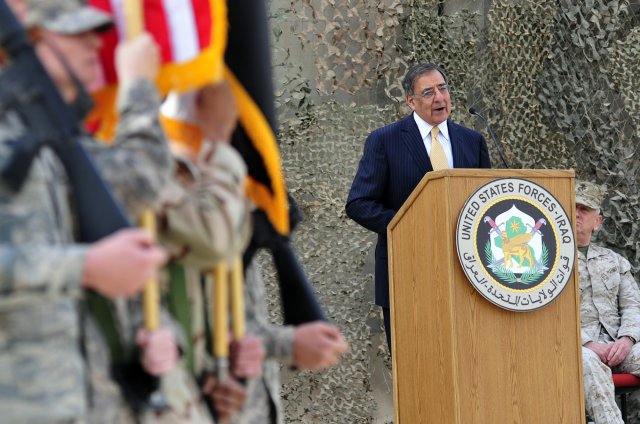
(215, 172)
(310, 346)
(609, 310)
(42, 272)
(204, 220)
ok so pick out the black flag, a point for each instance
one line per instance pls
(248, 59)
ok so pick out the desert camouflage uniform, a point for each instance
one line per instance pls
(263, 403)
(609, 309)
(42, 373)
(204, 219)
(205, 215)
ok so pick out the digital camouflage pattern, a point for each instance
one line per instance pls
(106, 404)
(263, 404)
(609, 309)
(599, 392)
(65, 16)
(137, 164)
(42, 373)
(609, 296)
(589, 194)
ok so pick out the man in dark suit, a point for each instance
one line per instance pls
(397, 156)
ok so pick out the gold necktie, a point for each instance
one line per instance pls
(438, 158)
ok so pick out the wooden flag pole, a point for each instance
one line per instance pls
(237, 300)
(151, 296)
(134, 18)
(220, 319)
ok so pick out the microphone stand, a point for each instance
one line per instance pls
(473, 111)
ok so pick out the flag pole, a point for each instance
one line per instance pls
(134, 18)
(151, 296)
(220, 318)
(238, 325)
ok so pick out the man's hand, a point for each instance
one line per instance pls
(122, 263)
(217, 112)
(159, 351)
(19, 8)
(618, 351)
(317, 345)
(227, 397)
(137, 59)
(601, 349)
(247, 355)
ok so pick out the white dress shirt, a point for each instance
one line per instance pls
(443, 136)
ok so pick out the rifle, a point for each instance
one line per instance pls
(299, 303)
(27, 90)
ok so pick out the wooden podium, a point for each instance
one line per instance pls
(457, 358)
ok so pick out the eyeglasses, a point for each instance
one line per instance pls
(429, 93)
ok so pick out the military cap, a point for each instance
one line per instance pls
(65, 16)
(589, 194)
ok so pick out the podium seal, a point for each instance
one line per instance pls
(515, 244)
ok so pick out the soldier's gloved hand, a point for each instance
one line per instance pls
(122, 263)
(138, 58)
(227, 396)
(247, 356)
(159, 351)
(317, 345)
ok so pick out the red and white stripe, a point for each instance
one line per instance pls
(182, 28)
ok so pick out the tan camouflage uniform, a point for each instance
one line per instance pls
(204, 219)
(205, 214)
(609, 309)
(42, 374)
(263, 403)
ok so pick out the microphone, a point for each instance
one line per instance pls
(474, 111)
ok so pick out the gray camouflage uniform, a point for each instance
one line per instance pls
(42, 373)
(263, 404)
(43, 331)
(137, 165)
(609, 310)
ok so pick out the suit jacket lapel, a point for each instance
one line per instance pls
(456, 145)
(415, 146)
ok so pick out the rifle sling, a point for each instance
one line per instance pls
(180, 308)
(100, 308)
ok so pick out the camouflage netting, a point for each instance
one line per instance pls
(557, 79)
(333, 249)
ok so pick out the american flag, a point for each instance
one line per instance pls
(192, 38)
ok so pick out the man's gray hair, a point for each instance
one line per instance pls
(415, 72)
